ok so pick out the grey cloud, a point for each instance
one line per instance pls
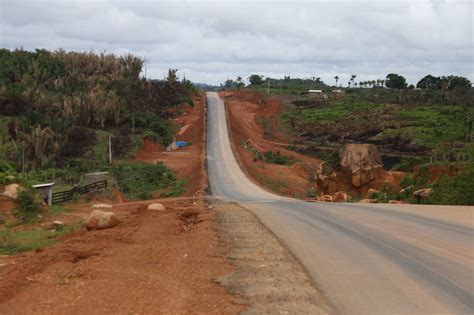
(211, 41)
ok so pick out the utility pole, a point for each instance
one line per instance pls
(110, 150)
(268, 86)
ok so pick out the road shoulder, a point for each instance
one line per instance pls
(268, 278)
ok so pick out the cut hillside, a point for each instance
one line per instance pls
(300, 131)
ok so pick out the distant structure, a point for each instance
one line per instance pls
(316, 94)
(46, 191)
(338, 93)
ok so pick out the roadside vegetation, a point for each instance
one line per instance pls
(60, 111)
(425, 129)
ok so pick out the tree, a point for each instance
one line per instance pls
(229, 83)
(256, 79)
(429, 82)
(457, 81)
(336, 78)
(395, 81)
(172, 75)
(353, 77)
(240, 82)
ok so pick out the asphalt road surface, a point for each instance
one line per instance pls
(365, 259)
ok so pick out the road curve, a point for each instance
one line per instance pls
(366, 259)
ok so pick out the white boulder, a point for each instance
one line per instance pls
(11, 191)
(101, 220)
(156, 207)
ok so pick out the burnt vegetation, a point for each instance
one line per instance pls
(59, 108)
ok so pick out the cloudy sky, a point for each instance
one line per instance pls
(210, 41)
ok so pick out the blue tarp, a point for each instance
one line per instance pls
(181, 144)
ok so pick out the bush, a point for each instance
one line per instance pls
(143, 180)
(277, 158)
(28, 205)
(456, 190)
(161, 129)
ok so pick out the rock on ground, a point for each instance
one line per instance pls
(101, 220)
(101, 206)
(423, 193)
(11, 191)
(325, 198)
(340, 197)
(156, 206)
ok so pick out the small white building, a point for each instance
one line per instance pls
(46, 191)
(316, 94)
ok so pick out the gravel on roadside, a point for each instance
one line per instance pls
(268, 278)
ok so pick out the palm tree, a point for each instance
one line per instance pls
(337, 79)
(353, 78)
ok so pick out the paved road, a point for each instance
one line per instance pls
(366, 259)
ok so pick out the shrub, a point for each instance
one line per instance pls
(143, 180)
(277, 158)
(456, 190)
(161, 128)
(28, 205)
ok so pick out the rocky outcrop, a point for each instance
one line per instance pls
(362, 162)
(325, 198)
(156, 207)
(422, 193)
(101, 220)
(340, 197)
(11, 191)
(326, 178)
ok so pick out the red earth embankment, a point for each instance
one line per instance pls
(254, 126)
(188, 163)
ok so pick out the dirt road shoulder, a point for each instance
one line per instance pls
(267, 276)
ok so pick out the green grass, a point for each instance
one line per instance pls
(430, 126)
(334, 112)
(273, 185)
(277, 158)
(456, 190)
(57, 209)
(143, 180)
(12, 241)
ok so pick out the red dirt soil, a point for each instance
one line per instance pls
(155, 262)
(186, 162)
(245, 112)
